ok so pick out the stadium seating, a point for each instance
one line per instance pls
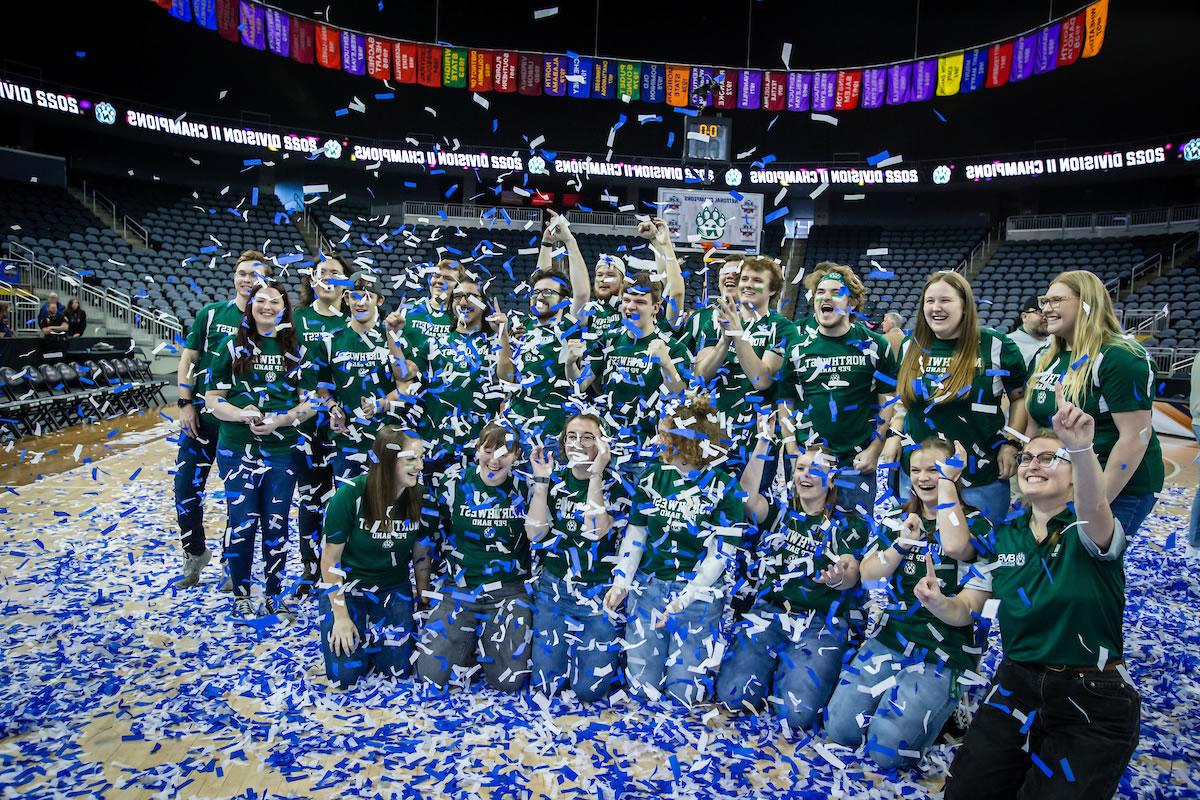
(1178, 291)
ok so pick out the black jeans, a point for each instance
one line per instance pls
(1081, 729)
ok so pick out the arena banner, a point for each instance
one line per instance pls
(258, 25)
(379, 58)
(695, 216)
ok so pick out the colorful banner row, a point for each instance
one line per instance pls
(1057, 44)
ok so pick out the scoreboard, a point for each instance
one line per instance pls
(707, 140)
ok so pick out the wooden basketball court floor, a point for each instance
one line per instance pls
(116, 684)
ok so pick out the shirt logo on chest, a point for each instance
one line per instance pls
(1010, 559)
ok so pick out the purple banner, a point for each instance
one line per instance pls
(279, 32)
(899, 84)
(974, 74)
(182, 10)
(874, 87)
(824, 90)
(1046, 57)
(579, 84)
(205, 13)
(1023, 56)
(924, 80)
(749, 89)
(354, 53)
(799, 91)
(654, 83)
(555, 76)
(253, 25)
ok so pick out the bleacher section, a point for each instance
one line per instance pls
(1179, 292)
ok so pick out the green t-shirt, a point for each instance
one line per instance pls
(484, 528)
(567, 550)
(974, 417)
(1060, 603)
(352, 367)
(632, 383)
(271, 384)
(425, 326)
(461, 391)
(376, 555)
(908, 622)
(600, 317)
(214, 323)
(795, 548)
(312, 331)
(735, 396)
(835, 382)
(1121, 381)
(700, 330)
(680, 512)
(541, 375)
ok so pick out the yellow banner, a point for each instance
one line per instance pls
(1097, 16)
(949, 74)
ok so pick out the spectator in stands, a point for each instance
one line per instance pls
(1062, 715)
(76, 318)
(805, 573)
(927, 656)
(840, 378)
(1030, 334)
(701, 330)
(255, 391)
(213, 324)
(1193, 549)
(320, 315)
(6, 331)
(578, 512)
(430, 319)
(953, 375)
(484, 615)
(1109, 375)
(373, 535)
(893, 329)
(637, 367)
(52, 319)
(685, 524)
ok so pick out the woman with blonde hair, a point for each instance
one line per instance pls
(1109, 375)
(953, 376)
(684, 527)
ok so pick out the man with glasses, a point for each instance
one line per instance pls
(1030, 335)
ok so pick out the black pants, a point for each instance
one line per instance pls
(1081, 729)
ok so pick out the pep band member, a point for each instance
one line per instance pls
(373, 536)
(685, 524)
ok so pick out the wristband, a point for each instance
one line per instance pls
(548, 244)
(901, 549)
(542, 480)
(183, 402)
(1080, 450)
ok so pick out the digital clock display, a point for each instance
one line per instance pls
(707, 139)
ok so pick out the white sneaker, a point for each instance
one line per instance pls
(192, 564)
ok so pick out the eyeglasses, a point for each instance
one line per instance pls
(1051, 302)
(1032, 311)
(585, 439)
(545, 293)
(461, 295)
(1044, 459)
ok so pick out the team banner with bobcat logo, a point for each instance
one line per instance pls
(1059, 43)
(696, 217)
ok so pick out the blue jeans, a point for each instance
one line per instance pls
(856, 490)
(901, 722)
(994, 500)
(314, 482)
(1194, 531)
(385, 626)
(792, 665)
(470, 626)
(1132, 510)
(341, 465)
(193, 462)
(669, 658)
(258, 495)
(574, 640)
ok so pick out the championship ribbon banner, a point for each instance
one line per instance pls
(254, 24)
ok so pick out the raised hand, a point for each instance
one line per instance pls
(730, 316)
(603, 454)
(368, 406)
(766, 426)
(395, 321)
(1075, 428)
(952, 468)
(928, 590)
(337, 419)
(542, 462)
(499, 322)
(658, 350)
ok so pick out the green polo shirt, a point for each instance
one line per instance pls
(834, 382)
(909, 624)
(461, 389)
(974, 417)
(566, 550)
(212, 325)
(541, 375)
(1121, 381)
(680, 513)
(377, 555)
(1061, 602)
(632, 383)
(795, 548)
(271, 384)
(484, 528)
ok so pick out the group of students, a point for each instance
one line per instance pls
(574, 496)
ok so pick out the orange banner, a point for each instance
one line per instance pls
(1097, 17)
(679, 83)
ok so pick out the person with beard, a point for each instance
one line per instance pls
(578, 512)
(1031, 334)
(427, 321)
(603, 313)
(701, 329)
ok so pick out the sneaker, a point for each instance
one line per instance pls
(192, 564)
(226, 585)
(1193, 552)
(307, 584)
(279, 607)
(244, 611)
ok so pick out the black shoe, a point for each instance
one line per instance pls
(278, 607)
(307, 585)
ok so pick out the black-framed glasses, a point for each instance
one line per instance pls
(1045, 301)
(1044, 459)
(545, 293)
(585, 439)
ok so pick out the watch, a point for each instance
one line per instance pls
(541, 479)
(183, 402)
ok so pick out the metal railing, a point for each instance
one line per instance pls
(968, 263)
(23, 309)
(1130, 222)
(1180, 245)
(1146, 321)
(1173, 360)
(122, 223)
(1124, 280)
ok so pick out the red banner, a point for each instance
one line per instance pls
(774, 90)
(999, 64)
(725, 97)
(530, 74)
(405, 59)
(1070, 42)
(329, 47)
(480, 64)
(303, 38)
(379, 58)
(429, 65)
(849, 84)
(229, 17)
(504, 71)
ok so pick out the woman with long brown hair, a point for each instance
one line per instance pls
(1108, 374)
(954, 375)
(255, 393)
(372, 537)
